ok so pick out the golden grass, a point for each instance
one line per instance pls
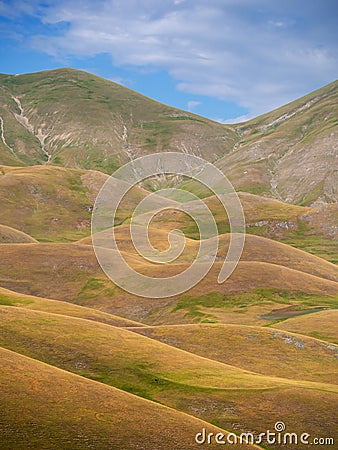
(54, 271)
(213, 391)
(71, 273)
(256, 248)
(236, 376)
(70, 343)
(45, 407)
(258, 208)
(11, 298)
(48, 203)
(11, 235)
(322, 325)
(258, 349)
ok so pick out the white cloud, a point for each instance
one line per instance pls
(233, 120)
(258, 54)
(192, 104)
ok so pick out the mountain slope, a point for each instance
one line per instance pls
(76, 119)
(291, 152)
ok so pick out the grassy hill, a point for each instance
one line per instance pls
(11, 298)
(9, 235)
(165, 374)
(290, 152)
(321, 325)
(86, 365)
(74, 119)
(71, 273)
(45, 407)
(258, 349)
(48, 203)
(54, 204)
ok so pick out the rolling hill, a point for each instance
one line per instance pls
(254, 348)
(87, 365)
(11, 298)
(71, 273)
(157, 371)
(45, 407)
(321, 325)
(9, 235)
(52, 203)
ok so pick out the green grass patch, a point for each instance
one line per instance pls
(313, 195)
(254, 189)
(12, 301)
(314, 244)
(322, 337)
(255, 297)
(195, 119)
(95, 288)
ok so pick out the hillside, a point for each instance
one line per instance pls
(291, 152)
(321, 325)
(54, 204)
(276, 349)
(71, 273)
(88, 365)
(11, 298)
(74, 119)
(45, 407)
(168, 375)
(9, 235)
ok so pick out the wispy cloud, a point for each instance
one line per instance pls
(259, 54)
(233, 120)
(192, 104)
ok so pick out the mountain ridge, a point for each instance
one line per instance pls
(74, 119)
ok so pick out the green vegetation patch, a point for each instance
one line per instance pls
(302, 301)
(195, 119)
(12, 301)
(94, 288)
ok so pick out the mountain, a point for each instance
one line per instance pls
(74, 119)
(85, 364)
(291, 152)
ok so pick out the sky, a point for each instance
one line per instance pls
(229, 60)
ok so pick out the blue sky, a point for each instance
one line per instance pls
(228, 60)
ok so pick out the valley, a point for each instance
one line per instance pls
(85, 364)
